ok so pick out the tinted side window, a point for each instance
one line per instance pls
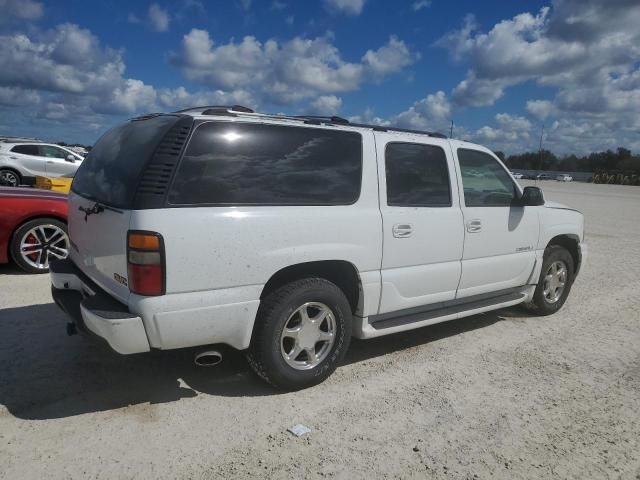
(52, 152)
(256, 164)
(26, 149)
(417, 175)
(485, 182)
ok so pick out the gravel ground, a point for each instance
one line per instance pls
(500, 395)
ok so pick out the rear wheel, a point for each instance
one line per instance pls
(9, 178)
(302, 332)
(37, 242)
(555, 281)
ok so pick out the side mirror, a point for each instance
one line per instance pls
(70, 158)
(532, 197)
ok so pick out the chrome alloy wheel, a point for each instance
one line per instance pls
(43, 242)
(8, 178)
(555, 280)
(308, 335)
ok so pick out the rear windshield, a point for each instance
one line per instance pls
(257, 164)
(110, 172)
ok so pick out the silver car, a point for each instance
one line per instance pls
(22, 161)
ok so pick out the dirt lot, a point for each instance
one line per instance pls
(500, 395)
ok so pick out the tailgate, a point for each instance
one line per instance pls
(99, 245)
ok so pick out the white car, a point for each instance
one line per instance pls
(21, 162)
(517, 176)
(286, 236)
(564, 178)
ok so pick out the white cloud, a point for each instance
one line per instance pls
(540, 109)
(245, 4)
(420, 4)
(431, 113)
(347, 7)
(513, 122)
(158, 18)
(370, 118)
(389, 58)
(16, 96)
(133, 18)
(588, 51)
(285, 72)
(326, 105)
(278, 5)
(576, 42)
(65, 75)
(21, 9)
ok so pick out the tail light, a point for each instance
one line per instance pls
(145, 263)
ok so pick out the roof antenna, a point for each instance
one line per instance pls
(451, 129)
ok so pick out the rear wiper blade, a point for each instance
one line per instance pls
(96, 209)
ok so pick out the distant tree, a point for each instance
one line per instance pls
(621, 161)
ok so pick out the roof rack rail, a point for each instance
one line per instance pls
(321, 118)
(309, 119)
(218, 109)
(385, 128)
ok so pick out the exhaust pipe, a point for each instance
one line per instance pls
(209, 358)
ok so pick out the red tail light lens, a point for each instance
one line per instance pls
(145, 263)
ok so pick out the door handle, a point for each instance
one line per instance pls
(50, 161)
(13, 158)
(402, 230)
(474, 226)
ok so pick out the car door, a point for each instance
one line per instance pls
(500, 234)
(422, 222)
(56, 162)
(28, 157)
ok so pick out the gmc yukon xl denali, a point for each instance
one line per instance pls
(286, 236)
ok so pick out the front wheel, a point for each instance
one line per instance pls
(555, 281)
(302, 332)
(9, 178)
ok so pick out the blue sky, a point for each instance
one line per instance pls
(499, 70)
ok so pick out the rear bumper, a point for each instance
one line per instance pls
(94, 312)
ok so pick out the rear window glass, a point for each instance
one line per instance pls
(256, 164)
(110, 172)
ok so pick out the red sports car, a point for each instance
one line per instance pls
(33, 227)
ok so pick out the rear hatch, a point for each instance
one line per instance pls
(127, 169)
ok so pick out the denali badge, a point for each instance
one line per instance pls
(120, 279)
(524, 249)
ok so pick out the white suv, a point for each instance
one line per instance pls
(21, 162)
(286, 236)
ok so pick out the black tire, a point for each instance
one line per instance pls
(9, 178)
(264, 354)
(540, 304)
(21, 231)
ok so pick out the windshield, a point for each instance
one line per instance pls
(110, 172)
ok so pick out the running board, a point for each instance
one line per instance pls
(442, 309)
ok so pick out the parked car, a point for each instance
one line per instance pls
(518, 176)
(21, 162)
(286, 236)
(543, 176)
(564, 178)
(57, 184)
(33, 228)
